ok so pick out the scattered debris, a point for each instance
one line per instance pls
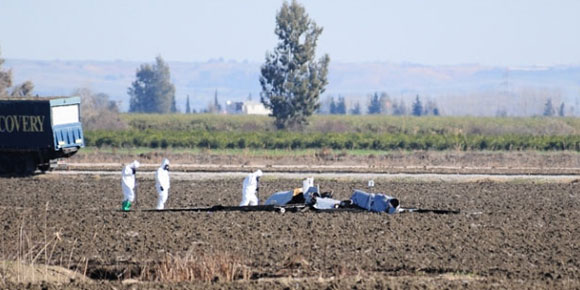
(309, 197)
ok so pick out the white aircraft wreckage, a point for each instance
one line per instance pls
(310, 198)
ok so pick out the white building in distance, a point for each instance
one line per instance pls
(246, 108)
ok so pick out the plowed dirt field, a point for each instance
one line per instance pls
(508, 235)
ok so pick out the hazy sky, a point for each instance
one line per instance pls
(488, 32)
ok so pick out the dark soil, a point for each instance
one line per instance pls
(508, 235)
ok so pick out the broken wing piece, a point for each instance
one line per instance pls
(280, 198)
(286, 197)
(375, 202)
(326, 203)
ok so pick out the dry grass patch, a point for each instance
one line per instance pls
(222, 267)
(25, 273)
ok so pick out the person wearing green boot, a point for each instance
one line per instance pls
(128, 184)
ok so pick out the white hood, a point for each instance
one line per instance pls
(135, 164)
(128, 177)
(162, 175)
(165, 162)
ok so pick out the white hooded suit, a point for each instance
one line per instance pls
(250, 188)
(162, 183)
(128, 181)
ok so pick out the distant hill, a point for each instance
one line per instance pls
(457, 90)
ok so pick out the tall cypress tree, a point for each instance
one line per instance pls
(332, 109)
(187, 107)
(216, 102)
(340, 106)
(292, 81)
(562, 110)
(548, 108)
(374, 105)
(417, 107)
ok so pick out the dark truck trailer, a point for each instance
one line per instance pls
(35, 132)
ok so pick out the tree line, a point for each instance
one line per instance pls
(550, 110)
(382, 104)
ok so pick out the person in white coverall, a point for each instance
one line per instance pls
(250, 189)
(162, 183)
(128, 184)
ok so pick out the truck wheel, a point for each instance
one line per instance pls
(30, 164)
(6, 165)
(24, 165)
(44, 167)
